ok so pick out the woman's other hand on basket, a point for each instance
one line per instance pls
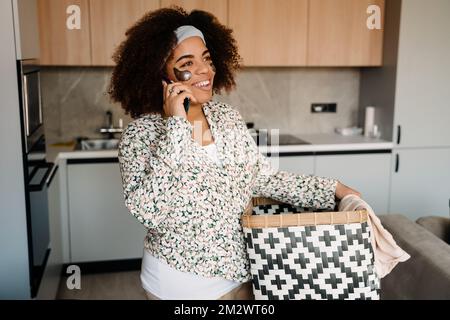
(342, 190)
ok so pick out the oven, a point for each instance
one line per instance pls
(36, 170)
(30, 83)
(39, 226)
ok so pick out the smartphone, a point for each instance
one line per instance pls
(186, 101)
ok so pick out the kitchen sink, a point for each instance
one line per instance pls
(98, 144)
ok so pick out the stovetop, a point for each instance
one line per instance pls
(266, 139)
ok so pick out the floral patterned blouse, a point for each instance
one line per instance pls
(191, 205)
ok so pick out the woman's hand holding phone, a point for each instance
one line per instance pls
(173, 95)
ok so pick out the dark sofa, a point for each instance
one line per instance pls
(426, 275)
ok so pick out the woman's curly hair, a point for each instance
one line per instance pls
(140, 59)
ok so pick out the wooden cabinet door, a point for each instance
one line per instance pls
(59, 45)
(270, 32)
(338, 34)
(219, 8)
(110, 19)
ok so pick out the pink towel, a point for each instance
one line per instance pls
(386, 251)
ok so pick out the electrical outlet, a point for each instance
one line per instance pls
(323, 107)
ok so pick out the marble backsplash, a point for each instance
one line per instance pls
(75, 100)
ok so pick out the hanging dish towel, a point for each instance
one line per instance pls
(386, 251)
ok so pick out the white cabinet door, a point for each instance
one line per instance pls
(366, 173)
(422, 107)
(421, 185)
(101, 227)
(294, 164)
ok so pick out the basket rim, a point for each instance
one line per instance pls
(297, 219)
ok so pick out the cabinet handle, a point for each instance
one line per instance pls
(397, 162)
(399, 133)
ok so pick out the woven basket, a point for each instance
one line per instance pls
(298, 253)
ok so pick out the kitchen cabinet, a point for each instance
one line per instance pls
(414, 107)
(367, 173)
(48, 288)
(109, 20)
(338, 34)
(422, 96)
(219, 8)
(101, 227)
(26, 29)
(293, 163)
(421, 171)
(59, 44)
(270, 32)
(103, 27)
(420, 182)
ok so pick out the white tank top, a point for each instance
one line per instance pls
(167, 283)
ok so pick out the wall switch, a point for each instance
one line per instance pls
(323, 107)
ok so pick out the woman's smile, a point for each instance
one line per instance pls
(204, 85)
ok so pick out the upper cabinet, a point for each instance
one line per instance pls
(219, 8)
(338, 33)
(64, 37)
(422, 95)
(270, 32)
(109, 21)
(26, 29)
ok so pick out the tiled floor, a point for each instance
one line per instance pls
(112, 286)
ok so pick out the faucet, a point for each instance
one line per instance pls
(110, 130)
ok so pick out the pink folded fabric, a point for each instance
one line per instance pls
(387, 253)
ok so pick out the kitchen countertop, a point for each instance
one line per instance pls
(329, 142)
(54, 154)
(318, 143)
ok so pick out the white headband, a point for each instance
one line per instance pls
(188, 31)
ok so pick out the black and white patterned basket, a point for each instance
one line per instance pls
(298, 253)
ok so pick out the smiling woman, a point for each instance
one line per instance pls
(192, 65)
(141, 58)
(191, 189)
